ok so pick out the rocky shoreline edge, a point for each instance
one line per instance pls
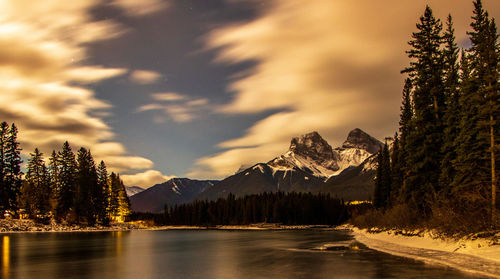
(26, 226)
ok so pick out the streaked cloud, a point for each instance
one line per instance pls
(44, 73)
(168, 96)
(322, 65)
(145, 179)
(176, 107)
(86, 74)
(145, 76)
(142, 7)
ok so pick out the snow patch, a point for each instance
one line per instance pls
(259, 167)
(475, 256)
(175, 188)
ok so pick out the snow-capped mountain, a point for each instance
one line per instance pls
(308, 163)
(311, 153)
(172, 192)
(132, 190)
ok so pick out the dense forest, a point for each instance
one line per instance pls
(285, 208)
(70, 189)
(441, 170)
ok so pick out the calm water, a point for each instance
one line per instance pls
(202, 254)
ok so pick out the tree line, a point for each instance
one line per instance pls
(442, 165)
(69, 188)
(285, 208)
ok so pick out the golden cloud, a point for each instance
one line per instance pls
(323, 65)
(43, 47)
(140, 8)
(145, 76)
(145, 179)
(168, 96)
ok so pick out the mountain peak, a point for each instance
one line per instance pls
(357, 138)
(311, 145)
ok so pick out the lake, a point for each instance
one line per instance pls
(204, 254)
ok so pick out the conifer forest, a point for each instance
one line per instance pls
(68, 189)
(441, 169)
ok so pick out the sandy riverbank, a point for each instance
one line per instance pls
(475, 255)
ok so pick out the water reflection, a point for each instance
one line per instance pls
(201, 254)
(5, 256)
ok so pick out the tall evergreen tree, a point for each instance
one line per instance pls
(405, 128)
(485, 63)
(13, 174)
(36, 190)
(383, 179)
(54, 177)
(66, 196)
(119, 204)
(425, 140)
(103, 201)
(451, 116)
(406, 114)
(86, 187)
(4, 200)
(114, 202)
(396, 170)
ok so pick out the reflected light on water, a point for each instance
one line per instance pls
(5, 256)
(118, 237)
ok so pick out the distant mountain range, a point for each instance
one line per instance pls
(172, 192)
(309, 165)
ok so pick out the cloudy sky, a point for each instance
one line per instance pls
(198, 88)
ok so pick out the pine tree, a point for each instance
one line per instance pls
(13, 174)
(66, 196)
(36, 190)
(4, 193)
(405, 129)
(125, 207)
(451, 116)
(86, 187)
(396, 170)
(406, 115)
(114, 202)
(103, 199)
(119, 203)
(387, 175)
(425, 140)
(55, 179)
(485, 62)
(383, 179)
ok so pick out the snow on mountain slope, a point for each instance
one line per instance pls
(306, 166)
(132, 190)
(312, 154)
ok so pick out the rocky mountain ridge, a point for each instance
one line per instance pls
(309, 165)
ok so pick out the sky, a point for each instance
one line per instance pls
(198, 88)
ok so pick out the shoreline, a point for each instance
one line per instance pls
(478, 256)
(251, 227)
(29, 226)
